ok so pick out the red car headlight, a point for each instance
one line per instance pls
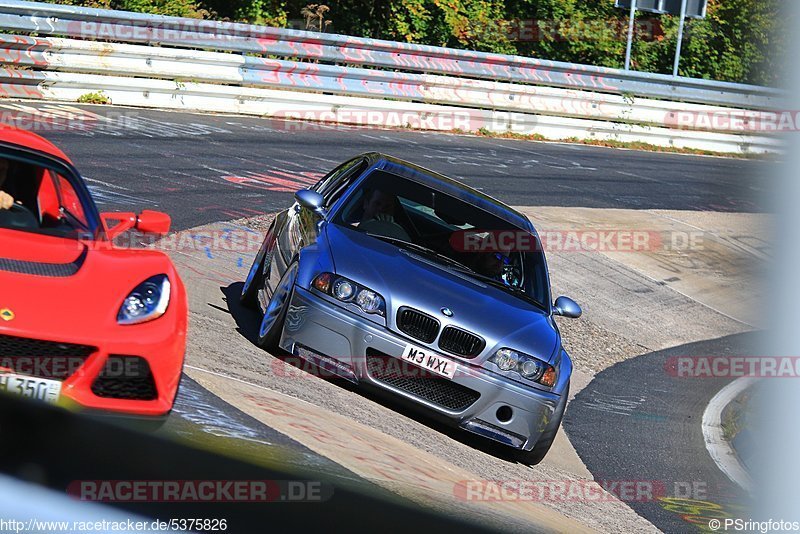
(147, 301)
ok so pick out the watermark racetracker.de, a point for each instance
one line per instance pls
(745, 121)
(575, 240)
(733, 366)
(343, 117)
(210, 491)
(536, 30)
(573, 490)
(248, 241)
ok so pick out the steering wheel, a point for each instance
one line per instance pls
(18, 216)
(24, 209)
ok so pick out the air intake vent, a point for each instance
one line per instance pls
(42, 359)
(419, 382)
(125, 377)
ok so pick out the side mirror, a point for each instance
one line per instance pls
(147, 222)
(566, 307)
(311, 200)
(153, 222)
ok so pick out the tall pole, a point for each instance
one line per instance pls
(680, 38)
(630, 35)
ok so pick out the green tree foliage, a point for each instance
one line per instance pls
(474, 24)
(176, 8)
(267, 12)
(738, 41)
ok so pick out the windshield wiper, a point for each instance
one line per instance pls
(423, 249)
(489, 279)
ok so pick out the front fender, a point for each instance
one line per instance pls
(315, 258)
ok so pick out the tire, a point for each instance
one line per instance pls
(542, 447)
(254, 280)
(249, 295)
(269, 331)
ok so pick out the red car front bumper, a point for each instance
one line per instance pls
(131, 369)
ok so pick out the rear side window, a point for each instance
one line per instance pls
(336, 192)
(331, 182)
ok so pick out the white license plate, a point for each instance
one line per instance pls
(30, 387)
(430, 361)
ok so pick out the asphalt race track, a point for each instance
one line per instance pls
(205, 168)
(633, 421)
(636, 423)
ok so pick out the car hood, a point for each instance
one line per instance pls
(71, 288)
(405, 278)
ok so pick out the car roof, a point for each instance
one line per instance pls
(450, 186)
(26, 139)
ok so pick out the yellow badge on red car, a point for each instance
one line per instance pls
(7, 315)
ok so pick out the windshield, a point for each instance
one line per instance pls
(38, 199)
(456, 234)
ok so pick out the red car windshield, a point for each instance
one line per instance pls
(40, 199)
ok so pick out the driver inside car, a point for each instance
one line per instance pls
(6, 200)
(492, 264)
(19, 183)
(378, 205)
(378, 215)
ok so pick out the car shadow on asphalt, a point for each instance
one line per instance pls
(247, 323)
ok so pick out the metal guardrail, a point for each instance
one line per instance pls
(330, 111)
(72, 21)
(177, 63)
(212, 67)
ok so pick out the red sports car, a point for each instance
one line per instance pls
(82, 322)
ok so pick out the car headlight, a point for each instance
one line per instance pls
(531, 369)
(346, 290)
(526, 366)
(506, 359)
(148, 301)
(370, 302)
(343, 289)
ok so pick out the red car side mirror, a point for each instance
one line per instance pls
(153, 222)
(147, 222)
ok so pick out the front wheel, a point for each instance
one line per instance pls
(255, 277)
(269, 333)
(249, 295)
(542, 447)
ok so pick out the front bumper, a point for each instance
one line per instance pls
(141, 379)
(483, 402)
